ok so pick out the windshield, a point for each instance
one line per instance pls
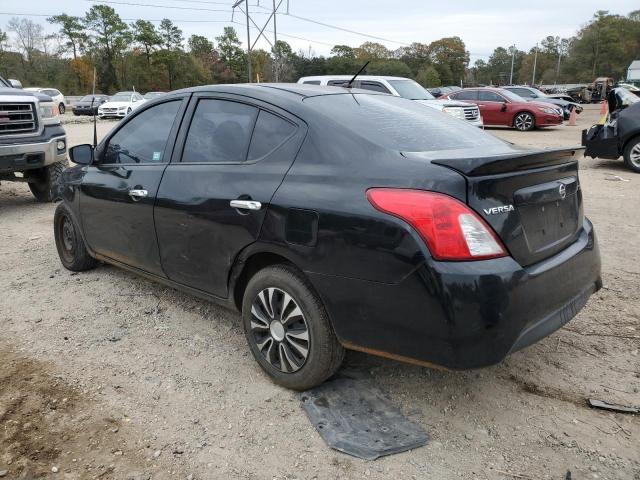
(4, 83)
(411, 90)
(87, 98)
(625, 97)
(539, 93)
(120, 98)
(511, 96)
(398, 124)
(150, 95)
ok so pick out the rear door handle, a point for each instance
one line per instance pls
(245, 204)
(137, 194)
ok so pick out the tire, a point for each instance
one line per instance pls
(128, 110)
(632, 154)
(524, 122)
(279, 347)
(61, 108)
(69, 242)
(46, 180)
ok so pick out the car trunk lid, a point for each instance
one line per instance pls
(532, 199)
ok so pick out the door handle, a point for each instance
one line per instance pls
(137, 194)
(245, 204)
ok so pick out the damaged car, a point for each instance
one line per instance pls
(618, 134)
(336, 219)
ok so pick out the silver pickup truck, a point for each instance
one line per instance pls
(33, 143)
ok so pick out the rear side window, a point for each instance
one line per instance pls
(486, 96)
(270, 132)
(374, 86)
(337, 83)
(399, 124)
(143, 139)
(465, 95)
(311, 82)
(220, 132)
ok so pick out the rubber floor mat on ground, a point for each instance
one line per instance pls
(354, 417)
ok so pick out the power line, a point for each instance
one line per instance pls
(158, 6)
(125, 19)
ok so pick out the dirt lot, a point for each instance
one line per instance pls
(104, 375)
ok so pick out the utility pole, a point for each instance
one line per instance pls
(246, 10)
(513, 58)
(535, 62)
(276, 53)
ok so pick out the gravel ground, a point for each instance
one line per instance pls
(104, 375)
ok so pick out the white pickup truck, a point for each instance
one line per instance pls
(33, 143)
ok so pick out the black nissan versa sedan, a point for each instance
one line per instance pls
(336, 219)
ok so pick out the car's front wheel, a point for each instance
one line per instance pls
(288, 329)
(632, 154)
(69, 242)
(61, 108)
(524, 121)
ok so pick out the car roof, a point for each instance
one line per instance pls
(126, 92)
(349, 77)
(283, 90)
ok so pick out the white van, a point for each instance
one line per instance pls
(402, 87)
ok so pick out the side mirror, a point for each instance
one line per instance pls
(15, 83)
(81, 154)
(504, 107)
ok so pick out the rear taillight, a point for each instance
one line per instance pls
(451, 230)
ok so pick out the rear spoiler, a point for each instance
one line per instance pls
(509, 162)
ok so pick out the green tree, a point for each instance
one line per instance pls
(109, 37)
(450, 57)
(372, 51)
(417, 56)
(428, 77)
(171, 40)
(200, 46)
(343, 51)
(72, 30)
(146, 35)
(392, 67)
(231, 54)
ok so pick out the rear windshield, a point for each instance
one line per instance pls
(399, 124)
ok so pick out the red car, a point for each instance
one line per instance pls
(502, 107)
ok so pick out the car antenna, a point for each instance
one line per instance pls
(93, 99)
(350, 83)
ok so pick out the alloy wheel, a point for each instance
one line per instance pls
(634, 155)
(524, 121)
(280, 330)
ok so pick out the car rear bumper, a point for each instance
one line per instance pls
(463, 315)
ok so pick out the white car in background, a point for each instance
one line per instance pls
(58, 98)
(120, 105)
(405, 88)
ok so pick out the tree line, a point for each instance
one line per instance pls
(150, 57)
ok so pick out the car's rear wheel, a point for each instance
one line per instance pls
(69, 242)
(524, 121)
(288, 329)
(632, 154)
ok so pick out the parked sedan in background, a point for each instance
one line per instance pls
(530, 93)
(152, 95)
(57, 97)
(88, 105)
(502, 107)
(335, 219)
(120, 105)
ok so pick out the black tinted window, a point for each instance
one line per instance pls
(220, 132)
(312, 82)
(143, 139)
(486, 96)
(399, 124)
(337, 83)
(465, 95)
(269, 133)
(374, 86)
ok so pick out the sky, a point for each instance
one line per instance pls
(483, 25)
